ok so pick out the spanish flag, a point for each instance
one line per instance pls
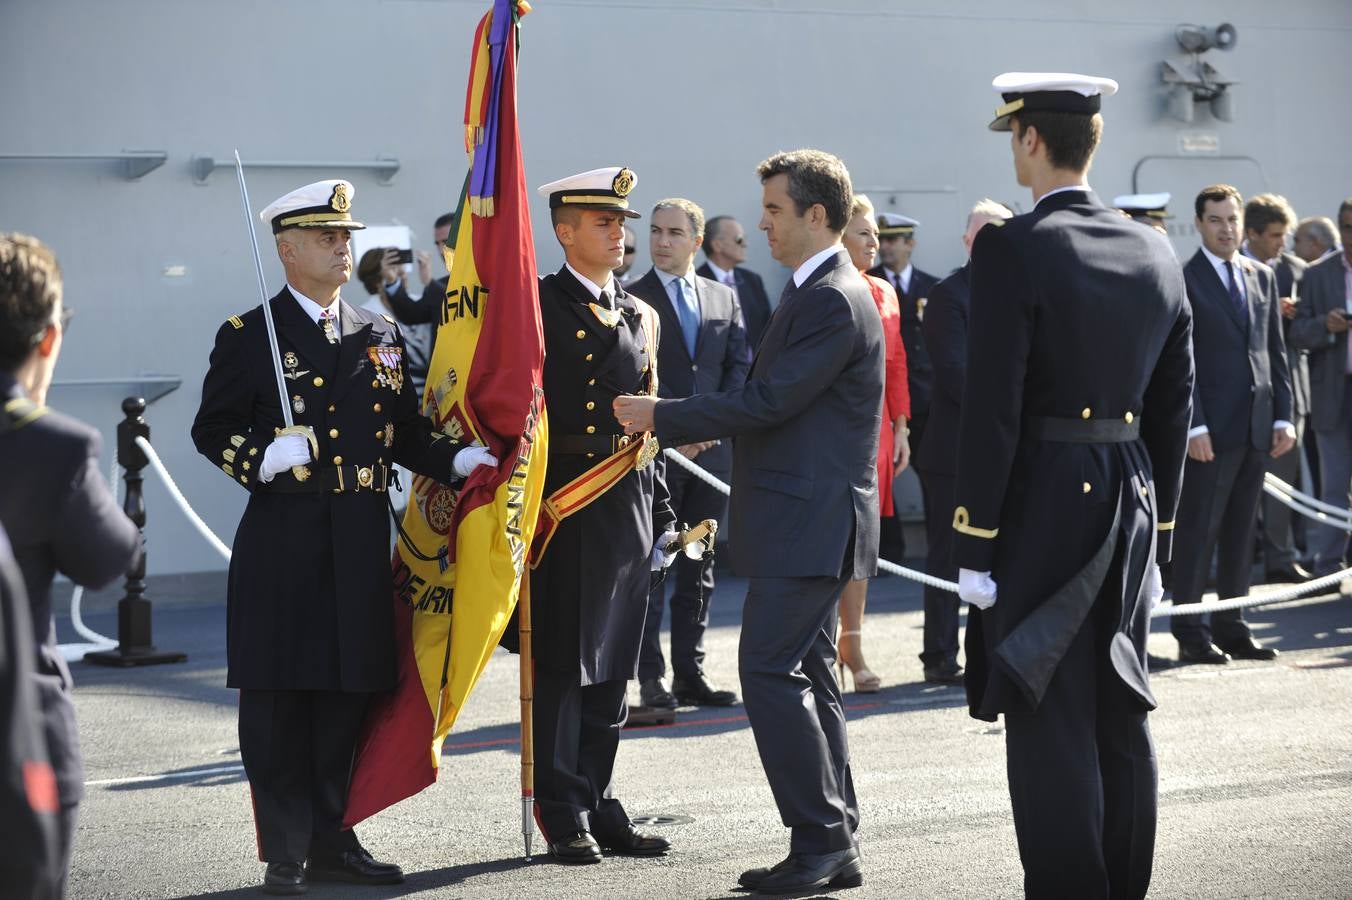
(456, 587)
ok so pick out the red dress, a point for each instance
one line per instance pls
(896, 396)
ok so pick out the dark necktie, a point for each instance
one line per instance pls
(1235, 296)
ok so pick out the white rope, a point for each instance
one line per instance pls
(1164, 610)
(158, 465)
(96, 641)
(1306, 505)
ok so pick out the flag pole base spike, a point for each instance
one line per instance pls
(527, 825)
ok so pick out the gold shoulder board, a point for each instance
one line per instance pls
(236, 321)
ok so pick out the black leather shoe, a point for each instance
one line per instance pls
(576, 848)
(698, 691)
(807, 872)
(1201, 653)
(632, 842)
(1248, 648)
(354, 867)
(1292, 574)
(285, 879)
(946, 672)
(654, 694)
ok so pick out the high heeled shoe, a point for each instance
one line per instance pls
(865, 682)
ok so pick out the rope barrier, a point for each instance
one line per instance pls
(96, 641)
(1164, 610)
(1307, 505)
(158, 465)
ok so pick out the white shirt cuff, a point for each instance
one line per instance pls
(1198, 431)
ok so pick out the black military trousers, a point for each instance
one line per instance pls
(577, 731)
(786, 658)
(1083, 779)
(693, 501)
(941, 607)
(1217, 511)
(297, 748)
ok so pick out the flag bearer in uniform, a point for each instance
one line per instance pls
(310, 630)
(589, 590)
(1075, 418)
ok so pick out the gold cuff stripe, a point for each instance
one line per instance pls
(960, 519)
(596, 198)
(1165, 526)
(1012, 106)
(316, 217)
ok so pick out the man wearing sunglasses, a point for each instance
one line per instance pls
(725, 251)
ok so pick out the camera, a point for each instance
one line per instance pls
(405, 255)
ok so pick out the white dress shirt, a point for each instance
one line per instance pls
(312, 308)
(801, 273)
(592, 287)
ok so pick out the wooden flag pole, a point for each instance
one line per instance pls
(527, 720)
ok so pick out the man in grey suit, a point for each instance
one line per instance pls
(1321, 327)
(804, 508)
(1241, 413)
(702, 350)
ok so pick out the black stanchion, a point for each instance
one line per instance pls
(133, 610)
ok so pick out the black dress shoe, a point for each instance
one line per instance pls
(946, 672)
(807, 872)
(354, 867)
(698, 691)
(654, 694)
(632, 842)
(575, 848)
(285, 879)
(1248, 648)
(1201, 653)
(1292, 574)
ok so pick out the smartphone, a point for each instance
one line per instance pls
(405, 256)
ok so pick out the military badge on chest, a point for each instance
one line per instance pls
(291, 362)
(386, 361)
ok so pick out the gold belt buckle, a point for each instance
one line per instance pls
(363, 477)
(619, 442)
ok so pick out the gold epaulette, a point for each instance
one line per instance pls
(236, 321)
(20, 411)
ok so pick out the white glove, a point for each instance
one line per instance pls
(1154, 583)
(661, 558)
(283, 453)
(976, 588)
(470, 458)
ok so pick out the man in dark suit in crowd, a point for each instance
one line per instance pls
(310, 628)
(1316, 237)
(589, 590)
(29, 804)
(54, 502)
(1074, 423)
(724, 253)
(1268, 220)
(896, 244)
(630, 254)
(427, 309)
(1241, 414)
(703, 350)
(1321, 328)
(804, 500)
(936, 459)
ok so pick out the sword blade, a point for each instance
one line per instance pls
(263, 291)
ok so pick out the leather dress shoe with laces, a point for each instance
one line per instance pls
(653, 694)
(354, 867)
(632, 842)
(1248, 648)
(1292, 574)
(1205, 652)
(285, 879)
(946, 672)
(575, 848)
(807, 871)
(697, 691)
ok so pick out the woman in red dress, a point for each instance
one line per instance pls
(894, 451)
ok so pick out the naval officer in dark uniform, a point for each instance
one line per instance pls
(1070, 454)
(589, 593)
(54, 502)
(310, 630)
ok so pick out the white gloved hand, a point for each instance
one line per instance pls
(286, 451)
(976, 588)
(660, 557)
(470, 458)
(1154, 583)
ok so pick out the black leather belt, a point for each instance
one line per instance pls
(1082, 431)
(582, 444)
(334, 479)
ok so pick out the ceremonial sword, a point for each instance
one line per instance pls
(301, 472)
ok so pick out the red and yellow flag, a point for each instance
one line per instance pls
(484, 385)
